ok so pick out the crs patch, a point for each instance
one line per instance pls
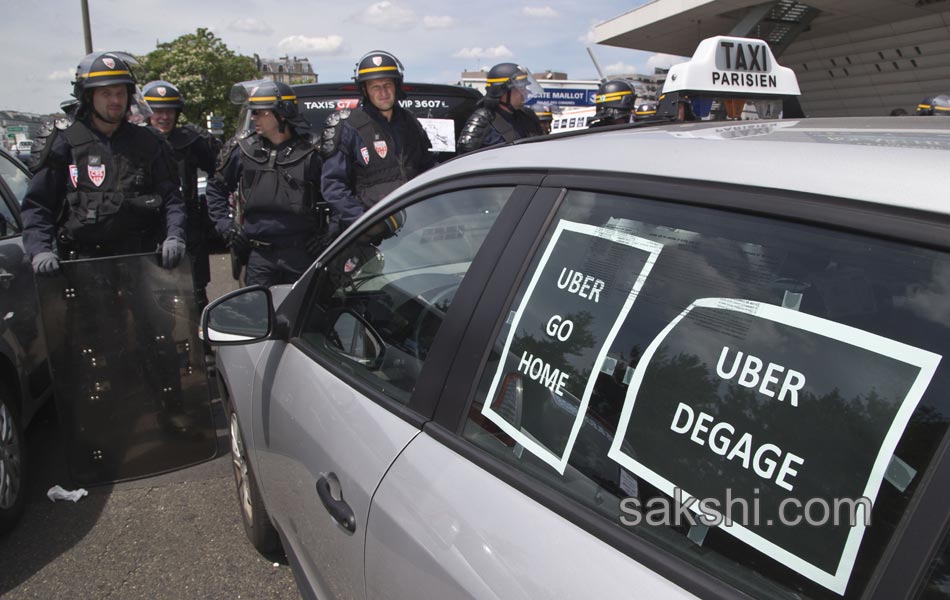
(73, 174)
(365, 153)
(97, 173)
(381, 149)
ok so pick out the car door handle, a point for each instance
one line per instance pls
(338, 509)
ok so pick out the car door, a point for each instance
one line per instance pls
(372, 337)
(658, 346)
(22, 329)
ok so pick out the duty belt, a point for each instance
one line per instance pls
(295, 242)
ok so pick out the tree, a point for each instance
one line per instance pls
(202, 67)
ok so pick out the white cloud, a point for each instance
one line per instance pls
(387, 16)
(63, 75)
(250, 25)
(588, 38)
(541, 12)
(331, 44)
(430, 22)
(663, 61)
(477, 52)
(619, 67)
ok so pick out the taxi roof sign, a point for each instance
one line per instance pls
(726, 65)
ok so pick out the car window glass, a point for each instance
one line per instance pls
(17, 181)
(784, 375)
(937, 586)
(380, 300)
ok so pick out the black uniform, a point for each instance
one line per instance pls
(366, 156)
(102, 196)
(489, 126)
(194, 148)
(279, 192)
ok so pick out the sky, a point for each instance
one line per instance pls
(42, 41)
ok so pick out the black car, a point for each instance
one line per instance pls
(431, 102)
(25, 381)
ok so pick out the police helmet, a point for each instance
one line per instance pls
(926, 107)
(161, 94)
(644, 110)
(543, 112)
(275, 96)
(941, 105)
(614, 99)
(101, 69)
(379, 64)
(504, 77)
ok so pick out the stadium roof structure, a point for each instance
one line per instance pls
(851, 57)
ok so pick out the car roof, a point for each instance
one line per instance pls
(897, 161)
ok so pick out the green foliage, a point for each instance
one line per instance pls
(204, 69)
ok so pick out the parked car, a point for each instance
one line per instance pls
(442, 109)
(575, 352)
(25, 381)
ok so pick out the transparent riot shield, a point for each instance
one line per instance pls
(128, 367)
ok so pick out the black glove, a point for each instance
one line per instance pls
(238, 241)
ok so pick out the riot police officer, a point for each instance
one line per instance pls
(373, 149)
(101, 186)
(500, 116)
(935, 105)
(276, 170)
(614, 102)
(644, 111)
(193, 148)
(545, 117)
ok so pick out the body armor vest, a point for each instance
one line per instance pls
(386, 169)
(110, 197)
(477, 127)
(274, 180)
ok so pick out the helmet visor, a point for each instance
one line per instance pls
(240, 92)
(526, 82)
(139, 110)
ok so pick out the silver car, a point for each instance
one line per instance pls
(697, 360)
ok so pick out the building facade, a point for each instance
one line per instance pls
(289, 70)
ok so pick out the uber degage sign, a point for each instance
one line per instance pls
(740, 399)
(579, 295)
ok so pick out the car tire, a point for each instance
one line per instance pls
(12, 463)
(257, 525)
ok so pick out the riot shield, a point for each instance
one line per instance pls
(128, 367)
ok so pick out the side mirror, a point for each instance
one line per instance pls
(241, 317)
(352, 336)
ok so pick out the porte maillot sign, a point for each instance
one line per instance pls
(740, 399)
(584, 286)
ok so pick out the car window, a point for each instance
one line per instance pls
(380, 300)
(785, 378)
(937, 586)
(17, 181)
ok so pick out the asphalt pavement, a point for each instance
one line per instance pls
(177, 535)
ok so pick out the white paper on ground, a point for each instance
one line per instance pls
(57, 493)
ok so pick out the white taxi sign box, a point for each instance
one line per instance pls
(732, 66)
